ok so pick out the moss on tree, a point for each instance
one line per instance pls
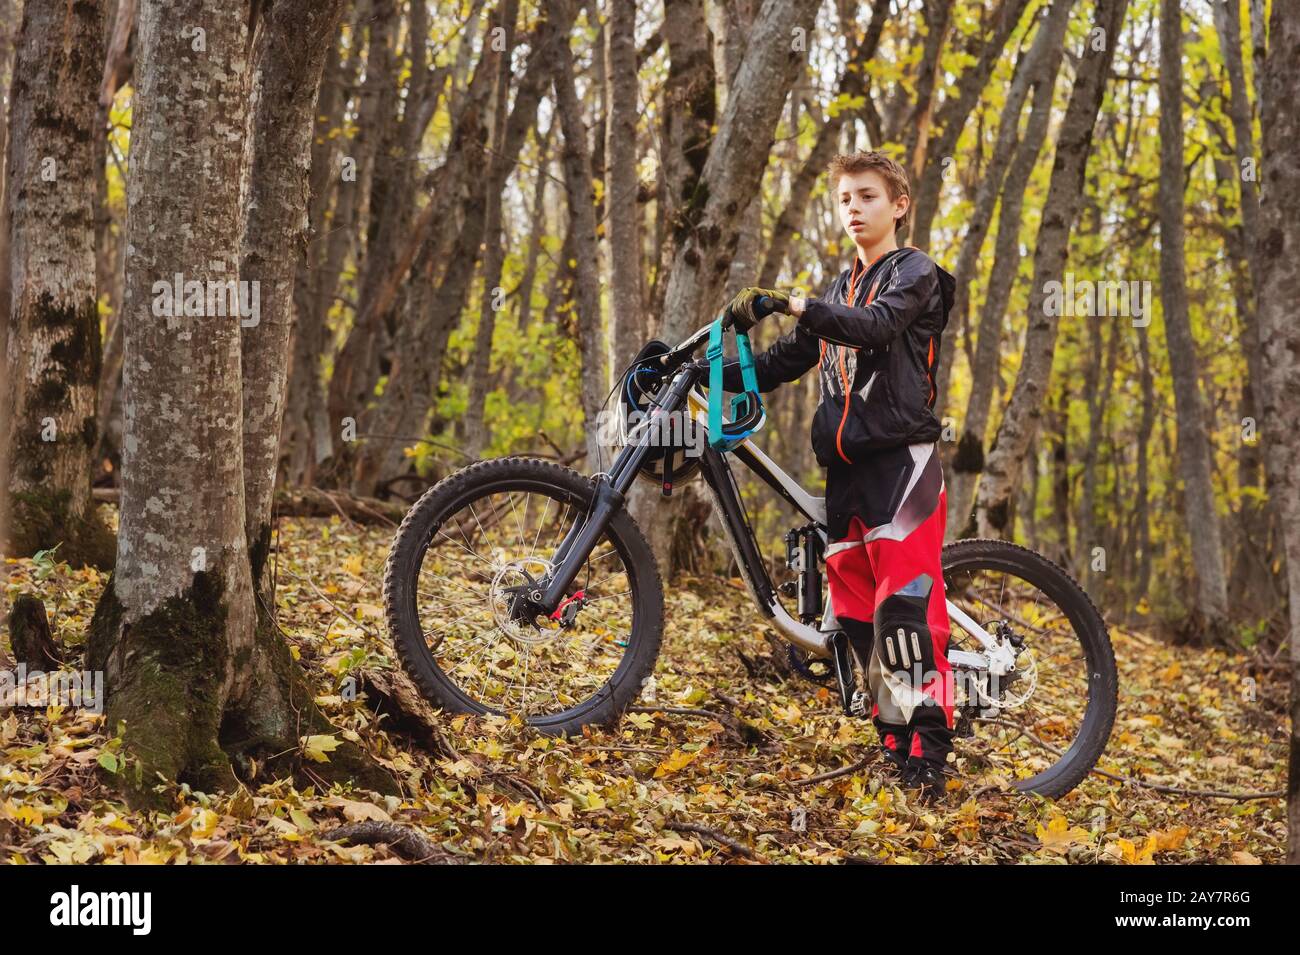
(165, 679)
(40, 519)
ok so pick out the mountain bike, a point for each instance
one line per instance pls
(518, 586)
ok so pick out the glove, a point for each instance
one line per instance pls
(743, 313)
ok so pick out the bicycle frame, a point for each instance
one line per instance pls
(613, 485)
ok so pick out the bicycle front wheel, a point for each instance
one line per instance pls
(461, 556)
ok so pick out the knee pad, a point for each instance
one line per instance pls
(903, 629)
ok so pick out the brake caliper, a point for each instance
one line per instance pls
(567, 612)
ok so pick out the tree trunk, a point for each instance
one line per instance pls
(1042, 63)
(1142, 516)
(306, 438)
(690, 114)
(937, 15)
(538, 229)
(9, 18)
(950, 119)
(109, 253)
(480, 361)
(53, 347)
(626, 328)
(193, 679)
(705, 233)
(1279, 290)
(1099, 385)
(419, 345)
(1025, 408)
(1037, 67)
(1060, 425)
(853, 82)
(735, 164)
(286, 80)
(1194, 449)
(356, 365)
(576, 161)
(1250, 577)
(1250, 567)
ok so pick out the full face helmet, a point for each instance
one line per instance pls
(677, 442)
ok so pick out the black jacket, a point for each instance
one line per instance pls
(884, 345)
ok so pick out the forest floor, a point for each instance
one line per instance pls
(721, 783)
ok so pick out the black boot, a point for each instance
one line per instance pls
(895, 763)
(927, 777)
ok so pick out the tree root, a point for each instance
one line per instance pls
(392, 695)
(411, 845)
(727, 842)
(29, 635)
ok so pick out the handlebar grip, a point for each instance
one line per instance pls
(765, 305)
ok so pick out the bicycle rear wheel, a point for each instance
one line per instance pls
(461, 557)
(1044, 728)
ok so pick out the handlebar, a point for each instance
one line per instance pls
(679, 354)
(767, 305)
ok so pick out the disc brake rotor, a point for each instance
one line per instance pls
(1017, 690)
(509, 589)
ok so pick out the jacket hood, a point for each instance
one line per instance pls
(947, 291)
(947, 283)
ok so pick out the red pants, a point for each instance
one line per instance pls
(886, 592)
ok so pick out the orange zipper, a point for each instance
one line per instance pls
(844, 373)
(929, 364)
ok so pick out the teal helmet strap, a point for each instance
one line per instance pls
(725, 435)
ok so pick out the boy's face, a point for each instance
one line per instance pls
(866, 211)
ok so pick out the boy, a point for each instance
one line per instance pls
(875, 335)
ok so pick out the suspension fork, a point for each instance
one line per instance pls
(611, 491)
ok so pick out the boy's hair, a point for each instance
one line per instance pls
(895, 176)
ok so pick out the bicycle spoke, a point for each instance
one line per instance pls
(508, 663)
(1044, 706)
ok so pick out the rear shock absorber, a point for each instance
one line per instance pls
(803, 555)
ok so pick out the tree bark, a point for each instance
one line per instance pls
(420, 344)
(853, 82)
(950, 119)
(480, 362)
(286, 81)
(1194, 449)
(576, 161)
(53, 347)
(1279, 290)
(190, 678)
(1025, 408)
(306, 437)
(626, 328)
(8, 39)
(1041, 66)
